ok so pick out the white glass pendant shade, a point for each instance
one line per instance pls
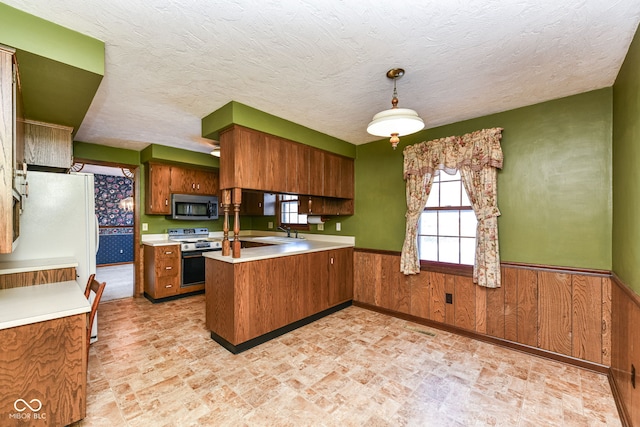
(400, 121)
(395, 122)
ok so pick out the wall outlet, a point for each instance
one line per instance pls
(338, 226)
(320, 227)
(448, 298)
(270, 225)
(145, 226)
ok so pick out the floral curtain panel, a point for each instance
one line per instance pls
(476, 155)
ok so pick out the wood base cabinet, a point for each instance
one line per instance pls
(43, 380)
(162, 271)
(248, 300)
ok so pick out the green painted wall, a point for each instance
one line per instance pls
(626, 173)
(237, 113)
(157, 223)
(26, 32)
(60, 69)
(554, 191)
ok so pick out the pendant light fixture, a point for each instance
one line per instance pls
(395, 122)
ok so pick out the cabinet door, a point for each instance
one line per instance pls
(273, 164)
(297, 168)
(7, 123)
(47, 144)
(182, 180)
(158, 191)
(340, 276)
(206, 182)
(346, 187)
(316, 172)
(332, 175)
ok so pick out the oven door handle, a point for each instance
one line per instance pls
(197, 254)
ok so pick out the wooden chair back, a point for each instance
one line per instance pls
(87, 289)
(98, 288)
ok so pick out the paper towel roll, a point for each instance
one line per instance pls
(314, 219)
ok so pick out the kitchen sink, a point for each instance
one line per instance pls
(275, 240)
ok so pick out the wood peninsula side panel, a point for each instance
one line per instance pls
(44, 361)
(248, 300)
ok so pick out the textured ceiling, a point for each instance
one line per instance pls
(322, 64)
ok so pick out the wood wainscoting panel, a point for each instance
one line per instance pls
(606, 321)
(554, 311)
(587, 318)
(450, 309)
(625, 350)
(464, 303)
(527, 307)
(397, 289)
(561, 310)
(366, 272)
(420, 295)
(436, 282)
(496, 310)
(510, 285)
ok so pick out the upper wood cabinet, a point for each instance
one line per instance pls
(254, 160)
(193, 181)
(257, 203)
(163, 179)
(48, 145)
(157, 179)
(316, 205)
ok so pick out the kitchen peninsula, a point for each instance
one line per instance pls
(276, 287)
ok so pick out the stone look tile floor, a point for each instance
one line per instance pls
(155, 365)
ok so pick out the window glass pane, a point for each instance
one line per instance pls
(449, 249)
(465, 198)
(468, 223)
(428, 248)
(433, 200)
(429, 223)
(448, 223)
(446, 177)
(467, 250)
(450, 193)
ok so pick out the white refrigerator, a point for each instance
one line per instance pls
(59, 221)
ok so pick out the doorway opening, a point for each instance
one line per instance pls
(115, 207)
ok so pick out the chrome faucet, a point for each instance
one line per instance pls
(286, 230)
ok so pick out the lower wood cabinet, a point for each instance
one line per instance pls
(44, 372)
(247, 300)
(162, 271)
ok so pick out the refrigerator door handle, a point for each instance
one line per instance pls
(97, 234)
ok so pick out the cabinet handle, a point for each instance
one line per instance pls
(168, 253)
(166, 202)
(331, 260)
(169, 268)
(198, 186)
(168, 286)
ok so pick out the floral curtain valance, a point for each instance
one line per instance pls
(476, 155)
(475, 150)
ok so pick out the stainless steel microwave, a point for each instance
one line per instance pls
(193, 207)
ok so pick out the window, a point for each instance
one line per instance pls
(289, 215)
(447, 229)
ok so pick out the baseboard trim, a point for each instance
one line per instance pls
(591, 366)
(244, 346)
(173, 297)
